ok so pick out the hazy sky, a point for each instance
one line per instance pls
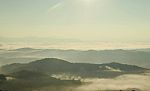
(76, 20)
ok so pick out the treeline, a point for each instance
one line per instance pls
(33, 81)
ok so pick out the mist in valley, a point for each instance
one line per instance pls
(124, 83)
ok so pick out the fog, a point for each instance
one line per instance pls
(122, 82)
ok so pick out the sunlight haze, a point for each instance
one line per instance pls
(80, 20)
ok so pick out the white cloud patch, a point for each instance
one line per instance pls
(107, 68)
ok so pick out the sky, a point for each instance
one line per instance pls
(72, 22)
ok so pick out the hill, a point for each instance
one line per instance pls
(30, 80)
(58, 66)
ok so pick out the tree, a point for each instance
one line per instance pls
(2, 77)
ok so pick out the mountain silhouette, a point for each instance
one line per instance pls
(59, 66)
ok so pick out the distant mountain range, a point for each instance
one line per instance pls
(57, 66)
(140, 57)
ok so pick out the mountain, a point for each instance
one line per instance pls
(30, 80)
(145, 49)
(22, 55)
(58, 66)
(25, 49)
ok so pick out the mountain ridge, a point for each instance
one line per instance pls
(135, 57)
(59, 66)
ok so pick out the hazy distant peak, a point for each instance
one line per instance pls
(24, 49)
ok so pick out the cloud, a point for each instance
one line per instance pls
(122, 82)
(57, 5)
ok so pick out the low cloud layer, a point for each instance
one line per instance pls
(122, 82)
